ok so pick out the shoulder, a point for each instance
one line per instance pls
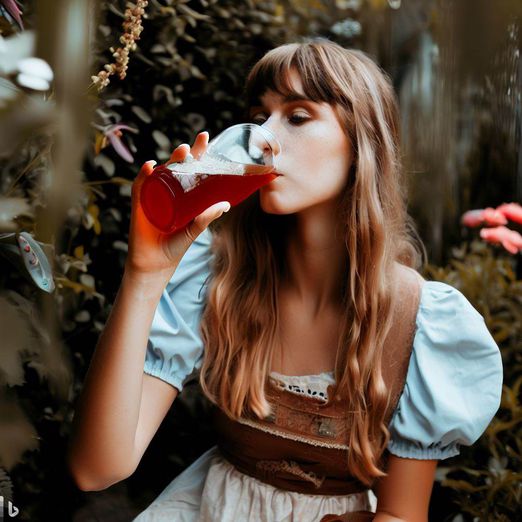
(406, 289)
(446, 314)
(195, 266)
(405, 275)
(438, 301)
(185, 294)
(175, 346)
(451, 333)
(454, 380)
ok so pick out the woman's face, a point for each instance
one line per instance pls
(315, 156)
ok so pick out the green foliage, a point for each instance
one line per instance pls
(486, 478)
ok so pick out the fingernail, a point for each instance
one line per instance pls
(227, 207)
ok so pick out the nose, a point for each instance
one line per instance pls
(263, 143)
(273, 139)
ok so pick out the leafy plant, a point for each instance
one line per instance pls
(485, 480)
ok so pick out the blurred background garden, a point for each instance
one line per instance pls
(91, 90)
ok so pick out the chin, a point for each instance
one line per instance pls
(270, 202)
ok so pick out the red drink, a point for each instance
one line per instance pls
(172, 197)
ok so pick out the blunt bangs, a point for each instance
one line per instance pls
(272, 73)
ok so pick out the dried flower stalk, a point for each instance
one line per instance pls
(132, 29)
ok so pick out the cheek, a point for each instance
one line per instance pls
(306, 189)
(327, 156)
(318, 167)
(325, 170)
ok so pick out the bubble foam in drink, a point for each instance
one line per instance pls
(173, 195)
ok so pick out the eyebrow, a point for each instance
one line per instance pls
(289, 98)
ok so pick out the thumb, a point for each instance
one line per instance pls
(145, 171)
(203, 220)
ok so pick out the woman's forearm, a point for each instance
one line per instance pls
(106, 417)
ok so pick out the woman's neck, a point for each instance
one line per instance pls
(316, 259)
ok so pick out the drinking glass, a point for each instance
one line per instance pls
(236, 163)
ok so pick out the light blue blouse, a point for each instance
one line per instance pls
(454, 380)
(174, 347)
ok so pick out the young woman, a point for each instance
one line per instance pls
(339, 376)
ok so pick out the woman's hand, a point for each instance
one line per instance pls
(152, 252)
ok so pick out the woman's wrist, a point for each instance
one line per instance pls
(146, 285)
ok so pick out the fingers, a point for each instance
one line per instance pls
(200, 144)
(203, 220)
(181, 151)
(146, 170)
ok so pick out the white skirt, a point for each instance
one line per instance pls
(213, 490)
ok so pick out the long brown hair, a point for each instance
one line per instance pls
(240, 322)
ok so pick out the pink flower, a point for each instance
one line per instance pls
(496, 218)
(509, 239)
(472, 218)
(488, 216)
(113, 134)
(513, 211)
(11, 6)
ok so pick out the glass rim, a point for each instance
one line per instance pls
(268, 134)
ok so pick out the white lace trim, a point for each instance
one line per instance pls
(310, 385)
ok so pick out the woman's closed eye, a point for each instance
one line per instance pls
(294, 119)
